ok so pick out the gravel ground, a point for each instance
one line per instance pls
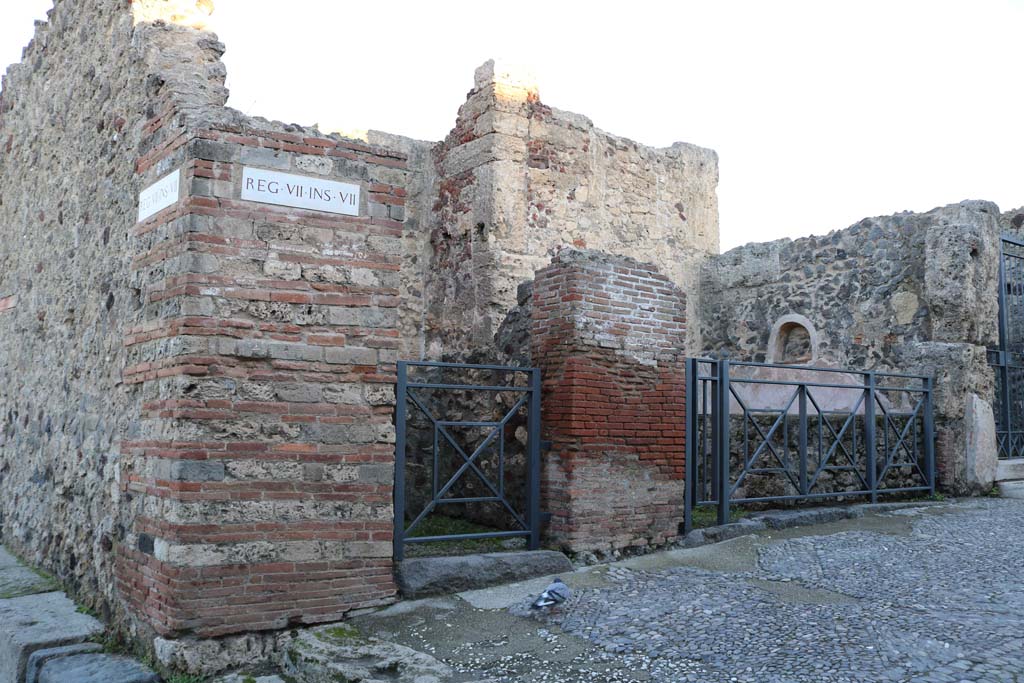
(919, 594)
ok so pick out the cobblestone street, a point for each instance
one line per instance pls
(925, 594)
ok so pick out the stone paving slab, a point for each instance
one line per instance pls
(95, 668)
(341, 653)
(33, 622)
(1012, 489)
(17, 580)
(902, 594)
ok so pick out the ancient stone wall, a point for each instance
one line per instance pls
(73, 119)
(906, 293)
(516, 180)
(197, 409)
(197, 404)
(609, 336)
(1012, 221)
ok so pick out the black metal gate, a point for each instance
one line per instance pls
(442, 407)
(1008, 358)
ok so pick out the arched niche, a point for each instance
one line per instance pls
(793, 341)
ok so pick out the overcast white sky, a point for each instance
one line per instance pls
(821, 112)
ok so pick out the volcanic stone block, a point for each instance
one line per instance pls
(35, 622)
(17, 580)
(95, 667)
(40, 657)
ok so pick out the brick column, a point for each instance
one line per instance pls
(609, 335)
(263, 462)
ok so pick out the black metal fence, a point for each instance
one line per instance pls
(759, 432)
(1008, 359)
(457, 433)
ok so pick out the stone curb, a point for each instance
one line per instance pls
(37, 622)
(786, 519)
(96, 667)
(39, 658)
(44, 638)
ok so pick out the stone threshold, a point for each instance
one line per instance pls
(428, 576)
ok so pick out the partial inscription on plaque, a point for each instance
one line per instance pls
(301, 192)
(159, 195)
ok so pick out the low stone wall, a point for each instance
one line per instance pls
(914, 293)
(609, 336)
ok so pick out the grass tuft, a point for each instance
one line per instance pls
(340, 633)
(442, 525)
(705, 516)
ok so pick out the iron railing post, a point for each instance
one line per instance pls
(534, 474)
(802, 453)
(1003, 389)
(1004, 314)
(722, 408)
(690, 468)
(869, 435)
(712, 409)
(929, 434)
(399, 490)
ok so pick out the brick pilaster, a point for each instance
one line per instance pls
(609, 335)
(264, 457)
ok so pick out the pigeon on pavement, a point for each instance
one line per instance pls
(555, 594)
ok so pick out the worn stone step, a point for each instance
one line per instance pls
(1012, 489)
(35, 622)
(425, 576)
(1010, 469)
